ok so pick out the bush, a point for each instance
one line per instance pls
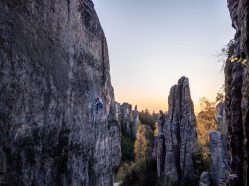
(148, 119)
(127, 148)
(143, 173)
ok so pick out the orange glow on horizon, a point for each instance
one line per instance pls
(153, 105)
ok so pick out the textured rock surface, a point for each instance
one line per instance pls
(221, 118)
(160, 147)
(128, 118)
(179, 135)
(53, 64)
(220, 112)
(237, 94)
(204, 179)
(160, 156)
(220, 168)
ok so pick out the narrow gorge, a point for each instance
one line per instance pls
(55, 70)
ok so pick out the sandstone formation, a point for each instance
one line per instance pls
(160, 155)
(219, 160)
(53, 64)
(179, 134)
(220, 168)
(128, 118)
(221, 118)
(237, 94)
(204, 179)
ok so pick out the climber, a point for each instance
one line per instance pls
(99, 104)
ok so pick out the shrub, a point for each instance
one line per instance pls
(127, 148)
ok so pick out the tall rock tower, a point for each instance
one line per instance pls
(177, 144)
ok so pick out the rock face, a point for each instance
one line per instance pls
(221, 118)
(53, 64)
(179, 134)
(237, 93)
(220, 168)
(128, 118)
(204, 179)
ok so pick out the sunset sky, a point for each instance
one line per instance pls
(152, 43)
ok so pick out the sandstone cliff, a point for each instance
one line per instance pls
(53, 64)
(175, 147)
(237, 94)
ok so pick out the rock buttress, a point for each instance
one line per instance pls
(237, 94)
(53, 64)
(220, 168)
(179, 135)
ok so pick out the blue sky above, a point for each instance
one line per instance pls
(152, 43)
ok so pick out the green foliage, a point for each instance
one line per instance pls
(127, 148)
(144, 143)
(148, 119)
(237, 59)
(201, 163)
(206, 120)
(220, 97)
(226, 53)
(143, 173)
(124, 170)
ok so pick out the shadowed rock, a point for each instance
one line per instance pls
(204, 179)
(53, 64)
(237, 94)
(220, 168)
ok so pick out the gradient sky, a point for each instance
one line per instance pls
(152, 43)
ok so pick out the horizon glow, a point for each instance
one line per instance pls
(154, 43)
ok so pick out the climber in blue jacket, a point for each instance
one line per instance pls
(99, 104)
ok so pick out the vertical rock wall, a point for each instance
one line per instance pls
(237, 94)
(220, 168)
(53, 64)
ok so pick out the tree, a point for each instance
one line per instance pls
(127, 146)
(148, 119)
(206, 120)
(141, 144)
(156, 129)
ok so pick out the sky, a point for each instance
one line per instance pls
(152, 43)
